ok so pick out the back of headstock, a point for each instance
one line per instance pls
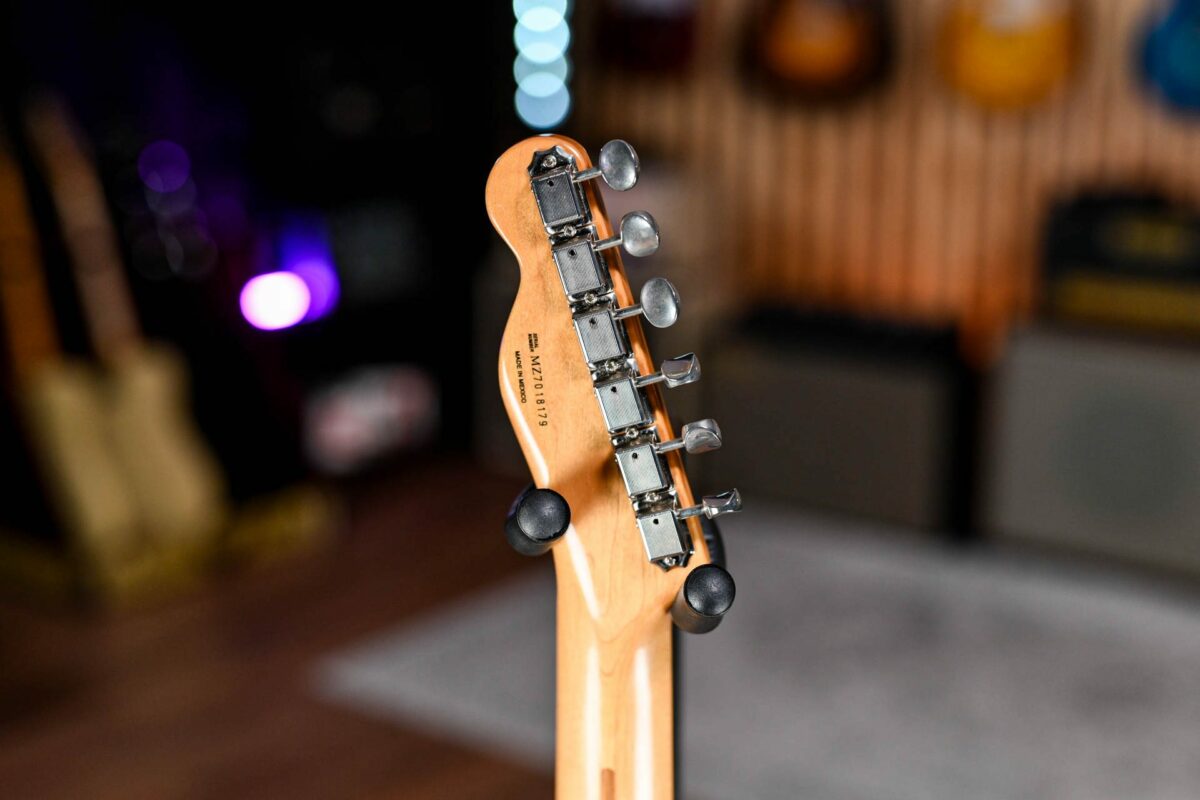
(576, 374)
(613, 502)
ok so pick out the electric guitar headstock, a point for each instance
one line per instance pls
(612, 503)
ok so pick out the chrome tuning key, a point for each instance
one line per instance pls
(659, 304)
(703, 436)
(597, 328)
(665, 537)
(639, 235)
(540, 517)
(714, 505)
(674, 372)
(619, 166)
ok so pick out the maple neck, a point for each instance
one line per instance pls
(615, 705)
(615, 713)
(613, 502)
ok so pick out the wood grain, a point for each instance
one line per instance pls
(615, 700)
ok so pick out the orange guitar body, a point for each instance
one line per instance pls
(1008, 54)
(823, 49)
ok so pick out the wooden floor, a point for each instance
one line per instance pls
(210, 698)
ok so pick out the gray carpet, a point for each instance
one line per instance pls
(855, 665)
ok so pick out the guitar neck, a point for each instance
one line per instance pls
(613, 501)
(615, 700)
(28, 319)
(87, 228)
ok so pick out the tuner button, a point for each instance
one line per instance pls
(639, 235)
(659, 304)
(703, 436)
(714, 505)
(538, 518)
(674, 372)
(619, 166)
(706, 596)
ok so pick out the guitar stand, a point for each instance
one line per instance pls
(539, 517)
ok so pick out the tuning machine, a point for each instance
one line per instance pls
(619, 166)
(665, 539)
(702, 436)
(642, 469)
(714, 505)
(659, 304)
(621, 402)
(678, 371)
(638, 235)
(599, 333)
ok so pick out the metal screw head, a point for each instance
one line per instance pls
(681, 370)
(619, 165)
(639, 233)
(660, 302)
(702, 436)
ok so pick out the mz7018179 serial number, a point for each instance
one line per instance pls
(531, 385)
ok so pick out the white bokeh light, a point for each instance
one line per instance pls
(542, 36)
(275, 300)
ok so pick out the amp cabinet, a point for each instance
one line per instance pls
(1095, 446)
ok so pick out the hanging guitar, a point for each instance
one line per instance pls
(1009, 54)
(611, 500)
(1171, 55)
(821, 50)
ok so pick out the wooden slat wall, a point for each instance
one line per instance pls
(910, 203)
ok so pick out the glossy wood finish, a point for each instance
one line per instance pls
(615, 705)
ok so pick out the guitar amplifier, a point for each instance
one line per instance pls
(868, 419)
(1095, 446)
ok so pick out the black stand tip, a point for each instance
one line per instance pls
(704, 599)
(536, 520)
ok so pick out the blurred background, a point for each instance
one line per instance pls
(941, 262)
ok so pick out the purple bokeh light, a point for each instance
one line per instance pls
(164, 166)
(304, 251)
